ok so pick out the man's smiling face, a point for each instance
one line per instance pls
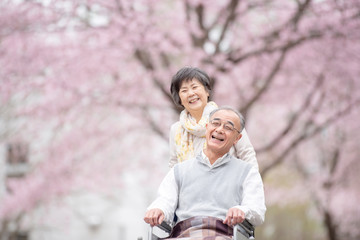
(219, 139)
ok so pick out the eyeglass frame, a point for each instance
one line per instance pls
(228, 124)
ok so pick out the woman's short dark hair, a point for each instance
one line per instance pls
(186, 74)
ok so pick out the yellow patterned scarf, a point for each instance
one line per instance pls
(189, 129)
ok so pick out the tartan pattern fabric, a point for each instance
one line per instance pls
(201, 228)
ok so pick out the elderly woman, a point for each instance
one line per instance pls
(190, 89)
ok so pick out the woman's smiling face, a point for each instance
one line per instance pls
(193, 95)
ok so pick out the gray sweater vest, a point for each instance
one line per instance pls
(209, 192)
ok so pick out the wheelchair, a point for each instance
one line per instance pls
(242, 231)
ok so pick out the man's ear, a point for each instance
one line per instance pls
(237, 138)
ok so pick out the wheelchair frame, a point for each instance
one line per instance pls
(242, 231)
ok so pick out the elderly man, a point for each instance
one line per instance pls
(213, 184)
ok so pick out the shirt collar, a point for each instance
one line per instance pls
(205, 160)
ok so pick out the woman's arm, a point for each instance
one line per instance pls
(173, 157)
(253, 202)
(245, 151)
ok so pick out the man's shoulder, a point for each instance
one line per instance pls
(186, 166)
(183, 168)
(234, 161)
(186, 163)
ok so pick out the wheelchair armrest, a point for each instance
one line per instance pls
(163, 226)
(245, 229)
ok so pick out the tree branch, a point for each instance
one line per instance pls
(295, 116)
(267, 81)
(306, 134)
(302, 7)
(269, 49)
(230, 18)
(154, 125)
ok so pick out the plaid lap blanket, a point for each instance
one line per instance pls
(201, 228)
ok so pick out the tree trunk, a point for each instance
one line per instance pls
(330, 226)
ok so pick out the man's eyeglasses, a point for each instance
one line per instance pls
(229, 127)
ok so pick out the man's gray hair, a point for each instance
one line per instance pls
(228, 108)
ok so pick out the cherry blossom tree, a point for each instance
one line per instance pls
(87, 82)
